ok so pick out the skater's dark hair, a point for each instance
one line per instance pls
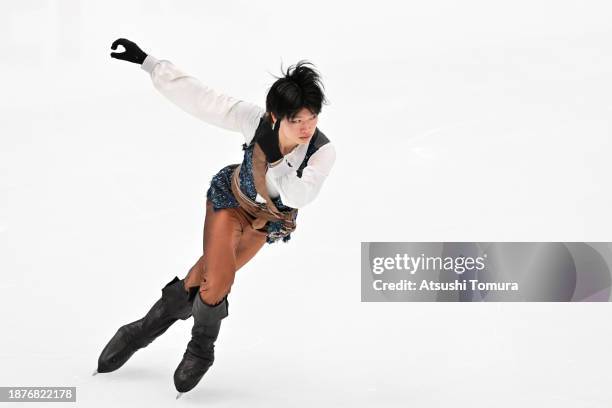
(299, 87)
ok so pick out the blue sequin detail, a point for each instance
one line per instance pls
(220, 192)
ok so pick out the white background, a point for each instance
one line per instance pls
(453, 121)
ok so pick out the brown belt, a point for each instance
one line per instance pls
(260, 211)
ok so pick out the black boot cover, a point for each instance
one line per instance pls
(175, 303)
(200, 353)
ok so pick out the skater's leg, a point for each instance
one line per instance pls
(194, 276)
(229, 243)
(175, 303)
(250, 241)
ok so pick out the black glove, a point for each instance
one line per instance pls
(132, 53)
(267, 139)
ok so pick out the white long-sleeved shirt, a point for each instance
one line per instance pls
(224, 111)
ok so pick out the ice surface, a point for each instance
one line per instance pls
(453, 121)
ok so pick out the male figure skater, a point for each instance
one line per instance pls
(286, 160)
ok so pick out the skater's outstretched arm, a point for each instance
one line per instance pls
(191, 95)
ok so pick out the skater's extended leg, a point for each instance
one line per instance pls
(175, 303)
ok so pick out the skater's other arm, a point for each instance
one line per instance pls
(296, 192)
(201, 101)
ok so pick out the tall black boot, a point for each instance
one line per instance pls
(200, 353)
(175, 303)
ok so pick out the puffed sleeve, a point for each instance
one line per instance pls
(201, 101)
(296, 192)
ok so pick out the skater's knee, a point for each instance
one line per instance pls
(213, 294)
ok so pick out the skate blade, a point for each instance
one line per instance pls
(179, 395)
(95, 372)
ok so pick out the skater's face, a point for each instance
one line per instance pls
(299, 129)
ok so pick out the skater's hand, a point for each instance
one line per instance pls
(132, 53)
(267, 139)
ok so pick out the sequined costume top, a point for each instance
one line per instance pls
(292, 183)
